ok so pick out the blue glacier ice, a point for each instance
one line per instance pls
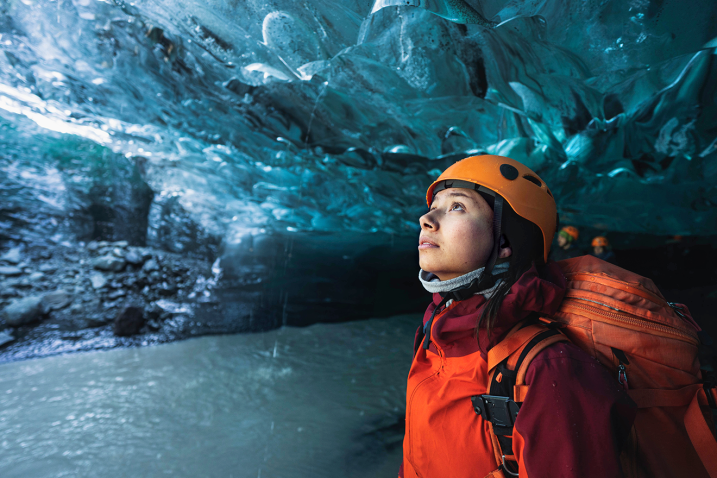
(227, 128)
(324, 116)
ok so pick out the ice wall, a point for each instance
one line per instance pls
(196, 124)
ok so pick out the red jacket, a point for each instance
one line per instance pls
(573, 422)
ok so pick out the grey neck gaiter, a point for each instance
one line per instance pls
(435, 285)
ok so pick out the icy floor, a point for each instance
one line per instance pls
(320, 401)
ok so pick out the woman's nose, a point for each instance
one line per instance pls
(427, 221)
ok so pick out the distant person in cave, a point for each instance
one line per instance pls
(600, 246)
(566, 248)
(483, 252)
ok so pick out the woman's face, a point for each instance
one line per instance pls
(456, 234)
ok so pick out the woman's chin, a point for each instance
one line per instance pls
(426, 265)
(431, 269)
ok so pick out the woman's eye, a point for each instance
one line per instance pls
(457, 207)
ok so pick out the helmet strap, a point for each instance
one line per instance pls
(497, 231)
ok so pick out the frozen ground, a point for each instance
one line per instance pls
(320, 401)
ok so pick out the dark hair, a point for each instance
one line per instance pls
(526, 241)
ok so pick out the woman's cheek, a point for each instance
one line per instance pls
(478, 244)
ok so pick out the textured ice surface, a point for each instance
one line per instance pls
(210, 121)
(312, 402)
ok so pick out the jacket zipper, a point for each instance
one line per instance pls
(438, 349)
(623, 318)
(408, 419)
(409, 408)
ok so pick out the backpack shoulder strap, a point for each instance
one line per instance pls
(537, 345)
(507, 388)
(701, 432)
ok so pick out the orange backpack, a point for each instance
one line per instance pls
(651, 346)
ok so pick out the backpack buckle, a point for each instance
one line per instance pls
(500, 411)
(506, 468)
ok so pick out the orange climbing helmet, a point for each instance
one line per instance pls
(571, 233)
(518, 185)
(600, 241)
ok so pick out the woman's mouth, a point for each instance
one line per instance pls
(426, 244)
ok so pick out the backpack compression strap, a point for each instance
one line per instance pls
(507, 387)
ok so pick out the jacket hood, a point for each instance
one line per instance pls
(454, 331)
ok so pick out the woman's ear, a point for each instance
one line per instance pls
(505, 250)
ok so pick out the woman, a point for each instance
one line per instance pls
(600, 246)
(566, 248)
(483, 249)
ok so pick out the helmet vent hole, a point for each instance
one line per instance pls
(509, 171)
(533, 180)
(549, 193)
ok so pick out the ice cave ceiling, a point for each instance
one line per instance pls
(201, 121)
